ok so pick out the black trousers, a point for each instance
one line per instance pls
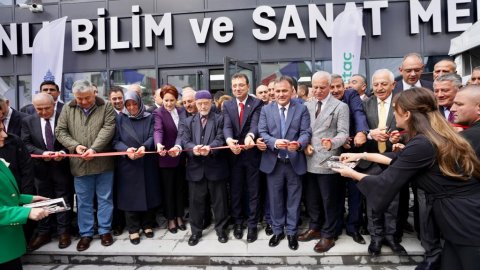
(15, 264)
(245, 178)
(139, 220)
(429, 232)
(199, 192)
(460, 257)
(383, 225)
(56, 185)
(321, 200)
(173, 189)
(403, 207)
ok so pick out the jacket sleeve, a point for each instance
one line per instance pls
(106, 133)
(343, 125)
(219, 138)
(305, 128)
(158, 127)
(62, 131)
(9, 215)
(27, 172)
(148, 143)
(264, 131)
(227, 122)
(255, 119)
(358, 113)
(117, 142)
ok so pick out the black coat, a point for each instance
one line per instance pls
(21, 165)
(138, 186)
(15, 123)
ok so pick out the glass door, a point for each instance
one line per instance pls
(197, 78)
(233, 66)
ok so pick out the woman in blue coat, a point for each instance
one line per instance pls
(138, 187)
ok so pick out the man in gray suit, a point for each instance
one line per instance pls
(381, 137)
(330, 128)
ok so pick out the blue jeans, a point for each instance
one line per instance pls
(86, 187)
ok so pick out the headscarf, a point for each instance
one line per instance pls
(132, 95)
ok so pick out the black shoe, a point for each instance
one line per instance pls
(357, 237)
(118, 230)
(148, 232)
(375, 248)
(252, 235)
(292, 242)
(238, 231)
(182, 227)
(268, 229)
(135, 239)
(222, 237)
(172, 230)
(396, 248)
(275, 240)
(193, 240)
(430, 263)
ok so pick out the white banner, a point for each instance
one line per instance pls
(47, 55)
(347, 35)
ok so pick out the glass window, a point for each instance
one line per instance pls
(301, 70)
(327, 66)
(99, 78)
(217, 80)
(391, 64)
(6, 2)
(24, 90)
(146, 78)
(7, 89)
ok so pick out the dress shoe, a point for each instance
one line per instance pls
(252, 235)
(238, 231)
(39, 241)
(268, 229)
(148, 232)
(134, 238)
(222, 237)
(182, 227)
(172, 230)
(292, 242)
(430, 263)
(396, 248)
(117, 230)
(106, 239)
(324, 245)
(275, 240)
(357, 237)
(363, 231)
(193, 240)
(64, 241)
(84, 243)
(375, 248)
(309, 235)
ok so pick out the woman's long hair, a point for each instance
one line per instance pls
(455, 155)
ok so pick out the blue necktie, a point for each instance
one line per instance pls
(282, 153)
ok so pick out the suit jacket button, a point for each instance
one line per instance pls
(13, 195)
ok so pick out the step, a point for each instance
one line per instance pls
(173, 249)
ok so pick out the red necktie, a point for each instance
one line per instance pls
(241, 113)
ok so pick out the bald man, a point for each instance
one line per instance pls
(466, 111)
(475, 77)
(157, 99)
(444, 66)
(411, 70)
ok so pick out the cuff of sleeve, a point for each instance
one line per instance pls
(179, 147)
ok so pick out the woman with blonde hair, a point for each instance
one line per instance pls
(442, 163)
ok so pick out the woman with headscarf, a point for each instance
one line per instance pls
(138, 184)
(442, 163)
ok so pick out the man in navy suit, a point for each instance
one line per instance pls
(240, 117)
(206, 173)
(411, 70)
(48, 87)
(52, 174)
(358, 132)
(12, 119)
(285, 127)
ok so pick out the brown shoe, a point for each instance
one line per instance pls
(107, 239)
(84, 243)
(64, 241)
(309, 235)
(324, 245)
(39, 241)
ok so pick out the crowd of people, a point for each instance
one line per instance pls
(252, 158)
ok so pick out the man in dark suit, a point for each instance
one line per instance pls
(157, 99)
(285, 127)
(48, 87)
(329, 123)
(188, 102)
(206, 173)
(444, 66)
(12, 119)
(445, 88)
(240, 117)
(52, 173)
(381, 137)
(467, 112)
(411, 70)
(115, 96)
(358, 133)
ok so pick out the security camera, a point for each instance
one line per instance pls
(36, 8)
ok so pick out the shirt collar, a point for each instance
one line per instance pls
(387, 101)
(286, 106)
(407, 86)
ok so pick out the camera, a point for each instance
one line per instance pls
(32, 7)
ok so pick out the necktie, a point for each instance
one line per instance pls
(319, 109)
(382, 123)
(203, 119)
(282, 153)
(451, 118)
(240, 117)
(49, 135)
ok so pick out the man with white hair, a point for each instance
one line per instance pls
(86, 126)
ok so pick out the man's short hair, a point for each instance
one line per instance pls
(49, 83)
(285, 78)
(451, 77)
(82, 86)
(239, 76)
(304, 88)
(322, 74)
(115, 89)
(391, 77)
(336, 76)
(412, 54)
